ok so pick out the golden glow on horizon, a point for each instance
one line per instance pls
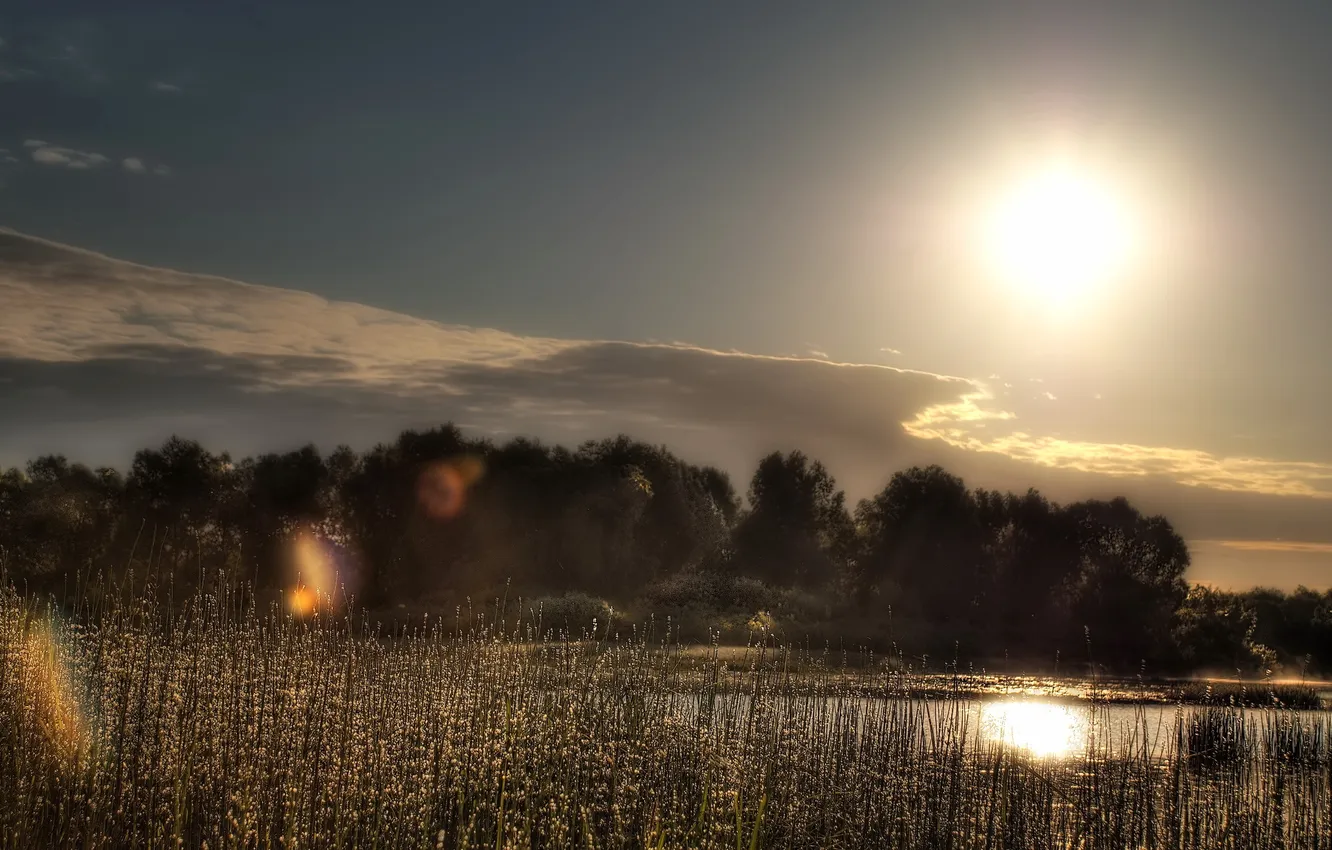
(1041, 728)
(1059, 233)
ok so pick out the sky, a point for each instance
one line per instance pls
(728, 227)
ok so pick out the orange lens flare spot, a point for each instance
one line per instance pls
(302, 601)
(441, 488)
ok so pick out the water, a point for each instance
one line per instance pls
(1046, 728)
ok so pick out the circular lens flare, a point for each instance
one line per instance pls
(441, 488)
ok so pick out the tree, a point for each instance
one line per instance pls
(924, 547)
(284, 491)
(186, 501)
(797, 530)
(1131, 580)
(1033, 550)
(58, 518)
(1215, 630)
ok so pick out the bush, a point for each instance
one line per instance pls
(575, 614)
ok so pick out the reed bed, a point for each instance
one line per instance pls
(226, 726)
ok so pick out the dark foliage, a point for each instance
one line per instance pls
(436, 518)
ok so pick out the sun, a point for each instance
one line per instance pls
(1059, 233)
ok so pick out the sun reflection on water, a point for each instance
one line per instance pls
(1043, 729)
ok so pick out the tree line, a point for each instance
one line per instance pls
(436, 518)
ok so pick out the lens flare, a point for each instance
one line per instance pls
(441, 488)
(321, 574)
(48, 684)
(301, 601)
(1042, 729)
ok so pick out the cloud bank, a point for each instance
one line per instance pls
(99, 357)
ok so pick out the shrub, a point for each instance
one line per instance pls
(575, 614)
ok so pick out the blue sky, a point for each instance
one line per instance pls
(776, 179)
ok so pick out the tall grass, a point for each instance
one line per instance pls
(226, 726)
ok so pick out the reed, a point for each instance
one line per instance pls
(230, 726)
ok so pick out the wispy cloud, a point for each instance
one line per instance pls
(1313, 548)
(165, 87)
(890, 351)
(137, 165)
(45, 153)
(9, 75)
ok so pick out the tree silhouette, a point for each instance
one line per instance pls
(797, 530)
(924, 547)
(1131, 580)
(926, 560)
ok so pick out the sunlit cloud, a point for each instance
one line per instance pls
(964, 425)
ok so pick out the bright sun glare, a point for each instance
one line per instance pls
(1059, 233)
(1042, 729)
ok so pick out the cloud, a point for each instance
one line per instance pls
(1273, 546)
(10, 75)
(890, 351)
(1240, 564)
(136, 165)
(99, 355)
(975, 425)
(165, 87)
(45, 153)
(71, 314)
